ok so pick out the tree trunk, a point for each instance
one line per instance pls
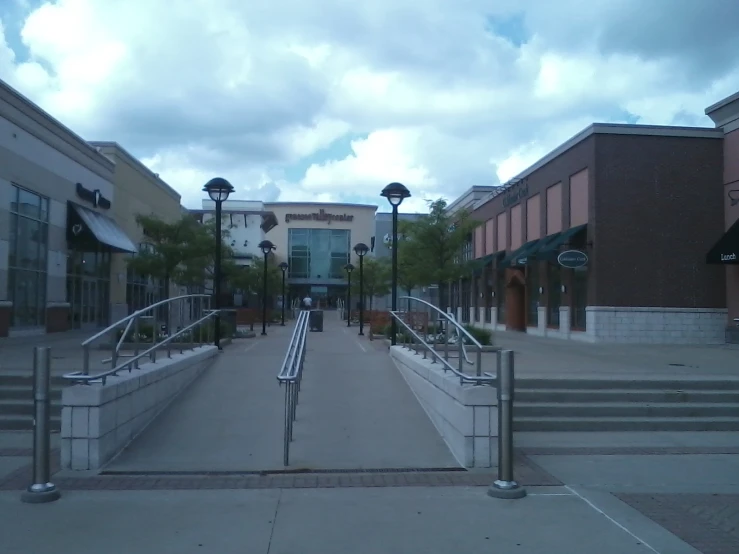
(167, 306)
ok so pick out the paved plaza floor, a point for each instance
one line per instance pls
(184, 486)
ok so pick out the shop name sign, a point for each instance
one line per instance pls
(321, 215)
(515, 196)
(94, 197)
(728, 257)
(572, 259)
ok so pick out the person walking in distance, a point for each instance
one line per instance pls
(307, 302)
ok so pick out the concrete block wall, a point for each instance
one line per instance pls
(656, 325)
(465, 415)
(98, 421)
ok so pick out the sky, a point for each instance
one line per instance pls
(330, 100)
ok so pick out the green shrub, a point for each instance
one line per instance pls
(483, 336)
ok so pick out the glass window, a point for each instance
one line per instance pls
(500, 294)
(532, 291)
(27, 257)
(579, 299)
(554, 292)
(298, 267)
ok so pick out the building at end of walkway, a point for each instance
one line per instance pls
(68, 223)
(605, 239)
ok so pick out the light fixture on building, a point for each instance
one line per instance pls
(563, 288)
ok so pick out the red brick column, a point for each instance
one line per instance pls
(5, 308)
(57, 317)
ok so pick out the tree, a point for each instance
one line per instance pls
(180, 251)
(250, 279)
(375, 277)
(434, 245)
(408, 267)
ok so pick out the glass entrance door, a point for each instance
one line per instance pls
(89, 303)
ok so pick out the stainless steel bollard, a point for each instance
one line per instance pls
(505, 486)
(42, 490)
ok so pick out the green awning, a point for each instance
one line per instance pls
(479, 264)
(520, 256)
(550, 250)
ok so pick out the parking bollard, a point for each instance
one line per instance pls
(41, 490)
(505, 486)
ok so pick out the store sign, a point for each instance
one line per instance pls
(516, 194)
(572, 259)
(321, 215)
(94, 197)
(728, 257)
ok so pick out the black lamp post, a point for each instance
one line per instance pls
(266, 247)
(395, 194)
(361, 249)
(283, 267)
(349, 268)
(218, 189)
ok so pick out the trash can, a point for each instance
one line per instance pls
(315, 320)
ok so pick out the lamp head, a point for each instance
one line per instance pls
(395, 193)
(361, 249)
(283, 266)
(349, 268)
(266, 247)
(218, 189)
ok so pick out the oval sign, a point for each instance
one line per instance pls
(572, 259)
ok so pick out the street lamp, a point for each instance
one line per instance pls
(349, 268)
(266, 247)
(218, 189)
(361, 249)
(283, 267)
(395, 194)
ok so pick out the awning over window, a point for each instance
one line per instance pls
(83, 221)
(549, 249)
(726, 250)
(521, 256)
(479, 264)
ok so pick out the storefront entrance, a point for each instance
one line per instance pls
(88, 289)
(515, 301)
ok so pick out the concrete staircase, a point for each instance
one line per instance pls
(16, 402)
(695, 404)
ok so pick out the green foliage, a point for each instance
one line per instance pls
(376, 277)
(433, 244)
(145, 333)
(181, 251)
(250, 279)
(483, 336)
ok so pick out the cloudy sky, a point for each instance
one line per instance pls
(329, 100)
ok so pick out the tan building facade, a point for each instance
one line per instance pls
(317, 241)
(138, 190)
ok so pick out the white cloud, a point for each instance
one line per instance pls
(200, 88)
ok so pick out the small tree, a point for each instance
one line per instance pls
(434, 245)
(250, 279)
(375, 277)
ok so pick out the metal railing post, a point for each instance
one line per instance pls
(136, 339)
(114, 352)
(42, 490)
(86, 360)
(505, 486)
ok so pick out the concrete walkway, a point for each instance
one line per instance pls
(355, 412)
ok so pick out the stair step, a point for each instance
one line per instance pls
(626, 424)
(625, 395)
(20, 392)
(686, 384)
(25, 423)
(626, 409)
(25, 407)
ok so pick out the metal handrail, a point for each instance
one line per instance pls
(291, 374)
(448, 316)
(478, 379)
(132, 363)
(133, 320)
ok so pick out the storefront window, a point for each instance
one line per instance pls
(554, 292)
(28, 252)
(88, 287)
(533, 296)
(500, 295)
(579, 299)
(318, 253)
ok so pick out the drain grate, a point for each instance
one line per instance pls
(296, 471)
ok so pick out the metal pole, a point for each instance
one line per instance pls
(217, 277)
(361, 295)
(264, 296)
(505, 486)
(283, 298)
(42, 490)
(393, 323)
(349, 300)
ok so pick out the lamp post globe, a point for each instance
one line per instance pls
(349, 268)
(218, 190)
(395, 194)
(266, 247)
(283, 267)
(361, 250)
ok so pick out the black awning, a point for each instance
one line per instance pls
(550, 250)
(479, 264)
(726, 250)
(85, 223)
(519, 257)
